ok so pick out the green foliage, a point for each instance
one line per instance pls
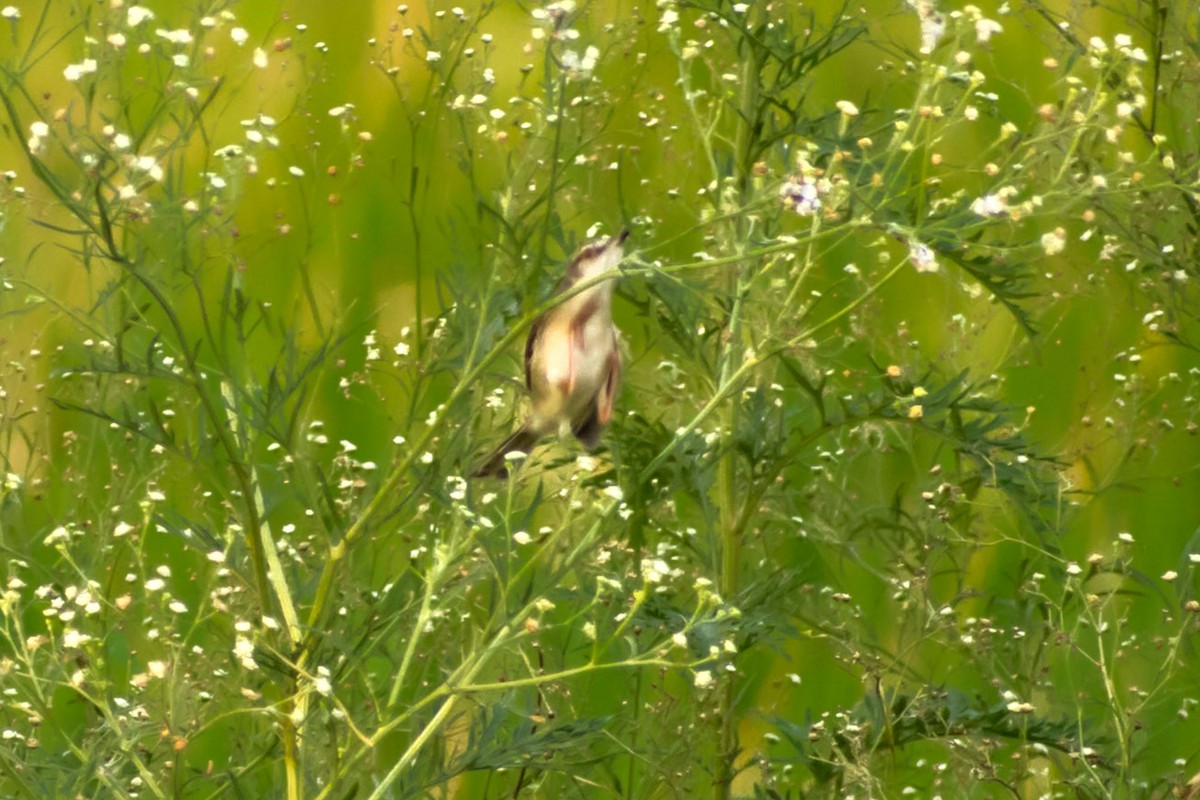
(899, 497)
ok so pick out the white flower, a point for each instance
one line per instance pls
(38, 131)
(702, 679)
(922, 257)
(72, 638)
(136, 15)
(433, 55)
(1054, 242)
(590, 56)
(991, 205)
(847, 108)
(10, 12)
(803, 194)
(521, 537)
(984, 28)
(180, 36)
(74, 72)
(243, 648)
(654, 569)
(239, 35)
(933, 24)
(260, 58)
(148, 165)
(668, 20)
(116, 39)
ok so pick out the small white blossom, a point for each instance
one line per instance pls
(991, 205)
(984, 28)
(72, 638)
(74, 72)
(10, 12)
(243, 648)
(922, 257)
(38, 133)
(668, 20)
(180, 36)
(239, 36)
(933, 24)
(803, 194)
(321, 683)
(136, 15)
(1054, 242)
(702, 679)
(654, 569)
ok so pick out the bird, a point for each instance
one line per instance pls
(572, 360)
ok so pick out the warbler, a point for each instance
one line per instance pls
(572, 360)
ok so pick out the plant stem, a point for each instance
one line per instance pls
(745, 142)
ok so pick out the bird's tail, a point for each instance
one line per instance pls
(496, 465)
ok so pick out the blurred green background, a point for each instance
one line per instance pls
(364, 218)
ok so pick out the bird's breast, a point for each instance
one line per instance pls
(570, 360)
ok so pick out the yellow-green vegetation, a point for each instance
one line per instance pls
(901, 497)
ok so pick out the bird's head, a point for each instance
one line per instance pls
(597, 257)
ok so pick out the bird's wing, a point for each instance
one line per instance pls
(600, 410)
(534, 331)
(608, 390)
